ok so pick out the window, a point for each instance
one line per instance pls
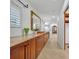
(15, 20)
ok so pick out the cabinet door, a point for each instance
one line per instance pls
(32, 46)
(45, 38)
(27, 51)
(17, 53)
(39, 45)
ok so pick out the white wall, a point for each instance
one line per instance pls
(25, 19)
(66, 3)
(60, 40)
(60, 21)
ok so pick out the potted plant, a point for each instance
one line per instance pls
(26, 30)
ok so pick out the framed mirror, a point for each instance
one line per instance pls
(35, 22)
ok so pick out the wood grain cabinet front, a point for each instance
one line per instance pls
(17, 53)
(45, 38)
(29, 49)
(32, 49)
(39, 44)
(20, 52)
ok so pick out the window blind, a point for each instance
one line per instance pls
(15, 16)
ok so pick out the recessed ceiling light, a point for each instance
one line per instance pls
(53, 16)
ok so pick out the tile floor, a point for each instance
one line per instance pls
(51, 50)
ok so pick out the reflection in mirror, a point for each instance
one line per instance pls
(35, 22)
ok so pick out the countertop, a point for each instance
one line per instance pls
(20, 39)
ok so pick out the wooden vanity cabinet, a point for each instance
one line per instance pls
(29, 49)
(46, 36)
(39, 45)
(21, 51)
(27, 52)
(32, 49)
(17, 53)
(40, 42)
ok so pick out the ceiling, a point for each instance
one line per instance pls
(49, 7)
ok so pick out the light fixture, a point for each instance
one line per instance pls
(53, 16)
(23, 4)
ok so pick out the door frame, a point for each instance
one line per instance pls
(65, 15)
(64, 33)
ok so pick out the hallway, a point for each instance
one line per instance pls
(51, 50)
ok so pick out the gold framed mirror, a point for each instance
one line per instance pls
(35, 22)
